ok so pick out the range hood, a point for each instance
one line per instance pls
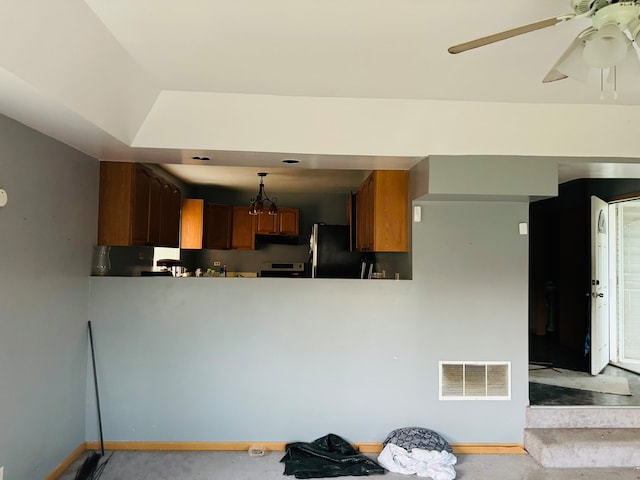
(262, 239)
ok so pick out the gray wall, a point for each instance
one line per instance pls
(293, 359)
(47, 231)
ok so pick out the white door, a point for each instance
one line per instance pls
(599, 285)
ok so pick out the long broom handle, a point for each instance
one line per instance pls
(95, 383)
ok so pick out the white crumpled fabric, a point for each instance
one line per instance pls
(424, 463)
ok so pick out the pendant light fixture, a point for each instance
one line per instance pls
(257, 203)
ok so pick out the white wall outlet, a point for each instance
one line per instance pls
(522, 228)
(417, 213)
(3, 197)
(216, 264)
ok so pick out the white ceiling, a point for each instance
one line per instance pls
(278, 179)
(252, 82)
(350, 48)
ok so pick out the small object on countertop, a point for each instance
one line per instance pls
(175, 266)
(224, 271)
(198, 272)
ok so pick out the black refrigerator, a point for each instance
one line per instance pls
(330, 253)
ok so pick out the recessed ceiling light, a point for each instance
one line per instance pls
(198, 157)
(290, 160)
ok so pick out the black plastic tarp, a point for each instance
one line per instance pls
(328, 456)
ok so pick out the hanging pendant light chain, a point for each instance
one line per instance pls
(257, 203)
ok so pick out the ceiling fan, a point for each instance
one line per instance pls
(607, 43)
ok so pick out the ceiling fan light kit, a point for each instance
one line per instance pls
(606, 47)
(607, 44)
(571, 63)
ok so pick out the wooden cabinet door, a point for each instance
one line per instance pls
(170, 216)
(390, 211)
(217, 226)
(155, 210)
(137, 207)
(140, 217)
(382, 212)
(285, 222)
(115, 200)
(191, 223)
(266, 224)
(364, 216)
(288, 221)
(359, 220)
(243, 235)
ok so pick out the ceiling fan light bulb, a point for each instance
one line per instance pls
(573, 65)
(606, 48)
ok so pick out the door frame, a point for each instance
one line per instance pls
(600, 291)
(616, 323)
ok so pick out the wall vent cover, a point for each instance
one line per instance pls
(475, 380)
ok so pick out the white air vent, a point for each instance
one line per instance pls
(475, 380)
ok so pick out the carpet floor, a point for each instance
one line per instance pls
(144, 465)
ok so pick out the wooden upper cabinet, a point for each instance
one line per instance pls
(171, 202)
(288, 221)
(155, 210)
(130, 210)
(266, 224)
(205, 225)
(123, 210)
(382, 212)
(364, 216)
(115, 206)
(191, 223)
(217, 226)
(285, 222)
(141, 189)
(243, 235)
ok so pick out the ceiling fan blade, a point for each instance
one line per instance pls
(553, 76)
(571, 63)
(514, 32)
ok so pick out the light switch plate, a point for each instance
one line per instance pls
(1, 473)
(3, 202)
(522, 228)
(417, 213)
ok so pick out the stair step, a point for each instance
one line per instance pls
(583, 417)
(584, 447)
